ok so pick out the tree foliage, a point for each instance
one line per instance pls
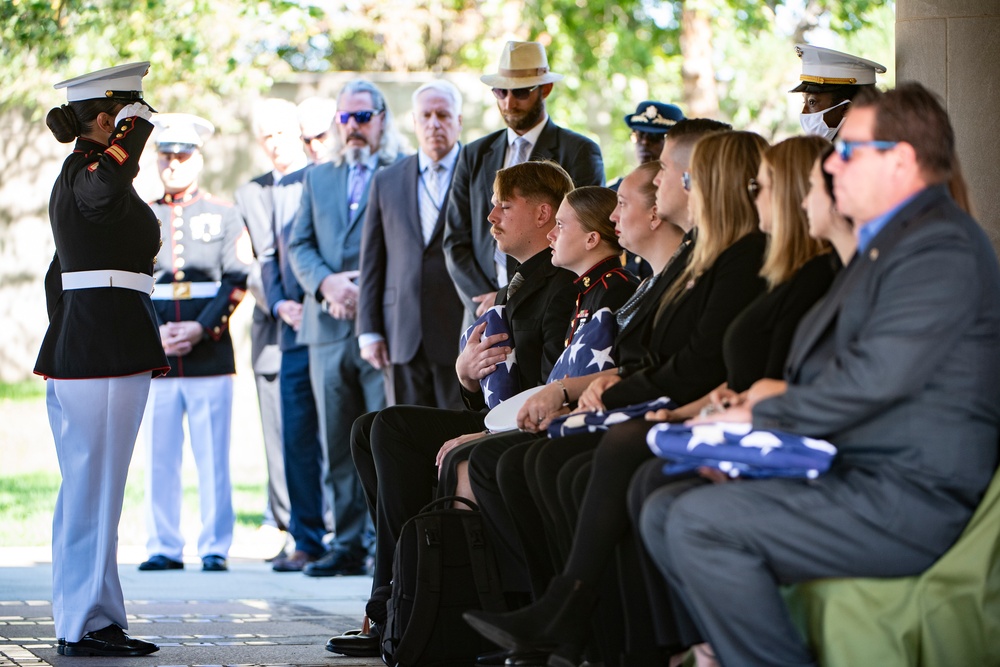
(728, 58)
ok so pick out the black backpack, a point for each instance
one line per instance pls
(443, 566)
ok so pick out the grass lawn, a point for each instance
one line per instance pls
(29, 476)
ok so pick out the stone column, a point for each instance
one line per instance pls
(953, 48)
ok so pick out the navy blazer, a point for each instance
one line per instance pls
(268, 211)
(468, 244)
(899, 366)
(325, 239)
(406, 294)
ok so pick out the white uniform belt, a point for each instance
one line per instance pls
(140, 282)
(183, 291)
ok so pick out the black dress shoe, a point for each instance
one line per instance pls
(160, 562)
(527, 659)
(514, 658)
(357, 644)
(336, 564)
(214, 563)
(111, 641)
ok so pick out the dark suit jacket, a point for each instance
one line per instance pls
(899, 366)
(632, 342)
(268, 211)
(325, 238)
(468, 244)
(538, 314)
(685, 361)
(406, 294)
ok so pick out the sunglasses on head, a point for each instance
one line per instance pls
(686, 181)
(344, 117)
(845, 149)
(516, 93)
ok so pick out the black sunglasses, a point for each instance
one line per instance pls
(517, 93)
(344, 117)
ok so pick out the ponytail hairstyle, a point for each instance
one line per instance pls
(593, 206)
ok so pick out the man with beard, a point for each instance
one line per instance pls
(325, 246)
(521, 84)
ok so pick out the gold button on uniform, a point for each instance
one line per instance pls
(178, 248)
(179, 262)
(178, 210)
(179, 275)
(179, 234)
(178, 222)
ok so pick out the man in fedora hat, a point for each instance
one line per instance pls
(521, 84)
(829, 81)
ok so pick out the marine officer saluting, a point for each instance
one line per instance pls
(199, 282)
(100, 349)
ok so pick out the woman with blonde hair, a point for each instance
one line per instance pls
(684, 362)
(798, 269)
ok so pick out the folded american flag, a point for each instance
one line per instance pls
(503, 382)
(590, 350)
(739, 451)
(591, 422)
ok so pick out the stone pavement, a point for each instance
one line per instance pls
(246, 617)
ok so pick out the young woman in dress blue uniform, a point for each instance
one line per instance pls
(101, 349)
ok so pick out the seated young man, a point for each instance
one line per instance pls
(395, 449)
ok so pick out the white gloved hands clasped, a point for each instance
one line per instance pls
(135, 109)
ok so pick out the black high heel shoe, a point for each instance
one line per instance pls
(558, 623)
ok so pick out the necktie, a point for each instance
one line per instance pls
(357, 186)
(522, 149)
(515, 284)
(430, 207)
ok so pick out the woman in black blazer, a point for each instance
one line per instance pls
(684, 363)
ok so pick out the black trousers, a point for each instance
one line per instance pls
(394, 452)
(421, 381)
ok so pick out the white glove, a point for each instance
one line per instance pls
(135, 109)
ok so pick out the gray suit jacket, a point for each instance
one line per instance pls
(899, 366)
(468, 244)
(406, 295)
(325, 239)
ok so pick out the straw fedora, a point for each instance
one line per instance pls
(522, 65)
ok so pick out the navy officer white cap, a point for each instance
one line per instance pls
(122, 83)
(826, 67)
(181, 130)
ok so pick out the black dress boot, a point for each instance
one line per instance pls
(558, 623)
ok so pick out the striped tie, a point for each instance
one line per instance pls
(430, 207)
